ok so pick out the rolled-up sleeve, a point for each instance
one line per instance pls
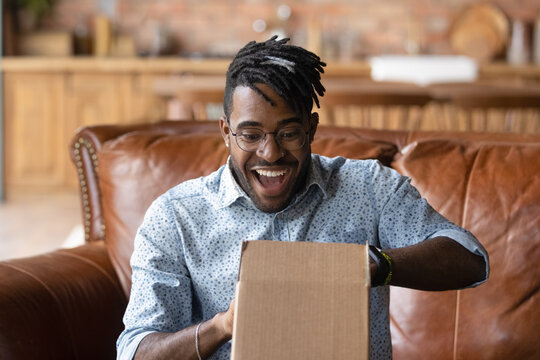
(469, 242)
(407, 219)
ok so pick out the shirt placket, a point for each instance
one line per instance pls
(280, 229)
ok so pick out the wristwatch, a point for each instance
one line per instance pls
(383, 275)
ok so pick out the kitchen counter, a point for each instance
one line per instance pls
(150, 65)
(207, 66)
(113, 65)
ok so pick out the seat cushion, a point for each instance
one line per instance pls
(65, 304)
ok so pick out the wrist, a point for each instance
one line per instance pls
(372, 268)
(210, 335)
(223, 327)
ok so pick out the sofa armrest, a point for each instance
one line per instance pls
(67, 304)
(84, 148)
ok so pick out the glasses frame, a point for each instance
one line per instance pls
(265, 133)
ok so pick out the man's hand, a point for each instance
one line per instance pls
(225, 321)
(182, 344)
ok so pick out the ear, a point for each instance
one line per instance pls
(314, 122)
(225, 130)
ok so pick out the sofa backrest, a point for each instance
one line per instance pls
(488, 183)
(135, 168)
(493, 190)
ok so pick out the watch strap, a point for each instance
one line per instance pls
(383, 275)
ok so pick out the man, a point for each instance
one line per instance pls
(187, 250)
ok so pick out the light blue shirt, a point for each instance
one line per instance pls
(187, 250)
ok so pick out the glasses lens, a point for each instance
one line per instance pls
(291, 138)
(249, 139)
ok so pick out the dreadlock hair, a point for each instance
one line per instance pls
(292, 72)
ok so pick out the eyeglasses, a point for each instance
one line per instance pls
(288, 138)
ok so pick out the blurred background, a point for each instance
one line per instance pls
(453, 65)
(344, 29)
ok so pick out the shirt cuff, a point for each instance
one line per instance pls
(469, 242)
(128, 343)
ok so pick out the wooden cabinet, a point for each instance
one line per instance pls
(95, 99)
(42, 111)
(141, 102)
(91, 99)
(34, 130)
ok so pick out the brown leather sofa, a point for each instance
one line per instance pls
(68, 304)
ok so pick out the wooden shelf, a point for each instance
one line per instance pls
(151, 65)
(115, 65)
(215, 66)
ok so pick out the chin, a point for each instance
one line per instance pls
(270, 207)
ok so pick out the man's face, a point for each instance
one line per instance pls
(270, 175)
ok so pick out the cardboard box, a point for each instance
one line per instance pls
(300, 300)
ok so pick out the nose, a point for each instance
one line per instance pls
(269, 149)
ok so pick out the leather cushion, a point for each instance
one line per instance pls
(136, 168)
(351, 144)
(493, 190)
(66, 304)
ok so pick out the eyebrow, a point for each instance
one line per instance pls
(249, 123)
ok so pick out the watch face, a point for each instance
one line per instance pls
(383, 273)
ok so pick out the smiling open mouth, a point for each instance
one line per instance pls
(271, 178)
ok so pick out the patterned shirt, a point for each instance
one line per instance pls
(187, 250)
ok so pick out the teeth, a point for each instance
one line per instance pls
(269, 173)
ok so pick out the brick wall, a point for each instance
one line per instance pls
(347, 28)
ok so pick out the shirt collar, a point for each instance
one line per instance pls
(315, 177)
(230, 190)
